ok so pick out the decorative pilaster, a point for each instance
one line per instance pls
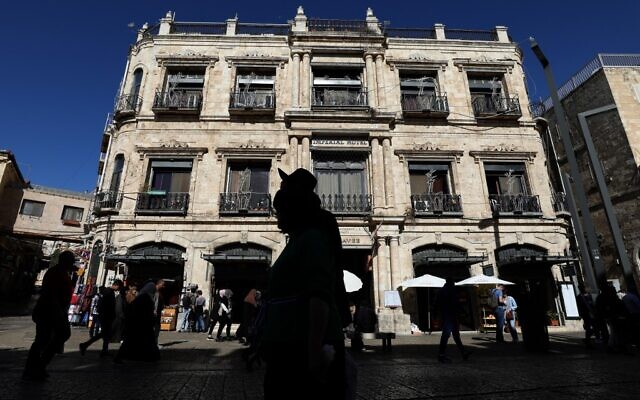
(378, 173)
(384, 272)
(306, 155)
(293, 152)
(381, 89)
(388, 173)
(371, 81)
(394, 243)
(305, 75)
(295, 81)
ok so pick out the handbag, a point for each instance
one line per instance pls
(509, 316)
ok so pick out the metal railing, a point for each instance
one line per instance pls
(245, 203)
(178, 99)
(201, 28)
(127, 103)
(252, 100)
(107, 200)
(496, 106)
(466, 34)
(162, 203)
(346, 204)
(436, 203)
(410, 33)
(593, 66)
(514, 204)
(537, 109)
(425, 103)
(262, 29)
(339, 96)
(335, 25)
(560, 202)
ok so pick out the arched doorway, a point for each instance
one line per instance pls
(443, 261)
(239, 267)
(149, 261)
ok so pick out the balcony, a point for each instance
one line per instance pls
(162, 203)
(515, 204)
(428, 105)
(127, 105)
(496, 107)
(107, 202)
(560, 205)
(249, 203)
(178, 102)
(340, 97)
(346, 204)
(252, 103)
(435, 204)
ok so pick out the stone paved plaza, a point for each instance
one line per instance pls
(194, 368)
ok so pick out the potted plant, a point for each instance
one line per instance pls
(552, 318)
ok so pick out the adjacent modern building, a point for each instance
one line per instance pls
(421, 140)
(606, 94)
(36, 222)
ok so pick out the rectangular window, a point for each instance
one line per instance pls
(506, 178)
(254, 88)
(73, 214)
(338, 87)
(32, 208)
(170, 176)
(342, 182)
(426, 178)
(247, 188)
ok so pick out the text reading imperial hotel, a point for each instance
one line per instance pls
(421, 140)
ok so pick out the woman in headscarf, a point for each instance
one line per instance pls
(302, 341)
(140, 339)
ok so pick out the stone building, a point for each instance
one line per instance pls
(607, 92)
(35, 221)
(421, 140)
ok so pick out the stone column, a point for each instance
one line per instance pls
(306, 155)
(382, 90)
(396, 274)
(305, 76)
(384, 279)
(293, 153)
(388, 173)
(295, 81)
(371, 81)
(377, 169)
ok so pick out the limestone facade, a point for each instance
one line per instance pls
(360, 126)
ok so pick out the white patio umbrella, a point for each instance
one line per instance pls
(351, 282)
(426, 281)
(483, 280)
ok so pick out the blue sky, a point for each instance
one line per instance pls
(62, 61)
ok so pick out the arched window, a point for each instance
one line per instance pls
(118, 165)
(137, 82)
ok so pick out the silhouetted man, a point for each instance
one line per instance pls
(50, 316)
(107, 314)
(447, 304)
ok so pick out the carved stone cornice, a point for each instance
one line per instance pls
(428, 152)
(171, 149)
(502, 152)
(256, 59)
(250, 150)
(186, 58)
(417, 63)
(483, 65)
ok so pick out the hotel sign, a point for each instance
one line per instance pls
(333, 142)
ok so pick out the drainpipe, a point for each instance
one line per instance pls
(604, 194)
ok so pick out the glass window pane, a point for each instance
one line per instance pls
(32, 208)
(72, 213)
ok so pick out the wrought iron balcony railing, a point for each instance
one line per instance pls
(339, 96)
(188, 101)
(107, 201)
(127, 104)
(426, 104)
(159, 202)
(515, 204)
(335, 25)
(252, 101)
(436, 203)
(346, 204)
(560, 202)
(469, 34)
(245, 203)
(496, 106)
(410, 33)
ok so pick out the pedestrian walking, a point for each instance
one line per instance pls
(586, 311)
(224, 314)
(50, 317)
(510, 315)
(188, 300)
(214, 316)
(95, 319)
(117, 328)
(632, 304)
(448, 306)
(249, 308)
(140, 338)
(199, 311)
(158, 306)
(613, 311)
(496, 301)
(303, 343)
(107, 316)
